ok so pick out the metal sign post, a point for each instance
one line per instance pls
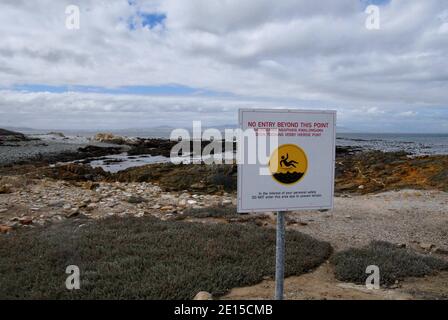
(280, 256)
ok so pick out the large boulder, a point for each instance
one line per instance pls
(6, 135)
(74, 172)
(110, 138)
(203, 295)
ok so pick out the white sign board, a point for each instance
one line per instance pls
(294, 166)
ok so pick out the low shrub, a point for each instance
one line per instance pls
(394, 263)
(145, 258)
(211, 212)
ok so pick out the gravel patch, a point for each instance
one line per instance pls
(410, 218)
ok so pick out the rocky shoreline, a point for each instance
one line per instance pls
(19, 149)
(11, 136)
(40, 190)
(357, 172)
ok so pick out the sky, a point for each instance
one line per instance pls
(142, 64)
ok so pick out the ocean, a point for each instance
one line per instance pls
(415, 144)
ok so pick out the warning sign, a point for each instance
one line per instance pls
(286, 160)
(288, 164)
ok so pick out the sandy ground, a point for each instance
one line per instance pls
(321, 285)
(406, 217)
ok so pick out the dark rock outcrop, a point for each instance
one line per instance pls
(6, 135)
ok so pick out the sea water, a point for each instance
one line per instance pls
(414, 144)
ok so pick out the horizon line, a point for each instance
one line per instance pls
(104, 130)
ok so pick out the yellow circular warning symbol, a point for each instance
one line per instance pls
(288, 164)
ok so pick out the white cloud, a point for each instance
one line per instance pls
(298, 51)
(93, 111)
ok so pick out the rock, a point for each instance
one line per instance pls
(168, 198)
(153, 147)
(439, 250)
(136, 199)
(89, 185)
(198, 186)
(226, 202)
(184, 196)
(203, 295)
(192, 202)
(167, 208)
(13, 225)
(57, 134)
(3, 210)
(5, 229)
(194, 178)
(26, 221)
(91, 206)
(347, 186)
(426, 246)
(67, 207)
(4, 189)
(156, 207)
(56, 204)
(109, 138)
(6, 135)
(75, 172)
(73, 213)
(378, 171)
(361, 187)
(84, 203)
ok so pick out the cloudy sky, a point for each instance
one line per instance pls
(138, 64)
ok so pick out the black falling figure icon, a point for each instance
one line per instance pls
(287, 163)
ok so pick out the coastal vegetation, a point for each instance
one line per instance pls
(394, 263)
(146, 259)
